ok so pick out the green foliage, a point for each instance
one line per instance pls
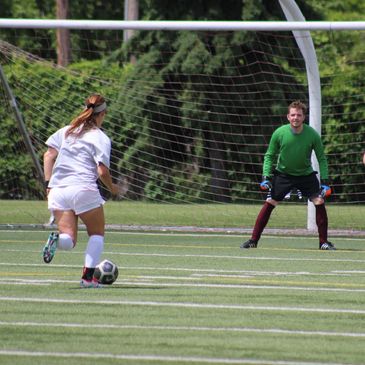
(178, 79)
(340, 57)
(56, 109)
(147, 131)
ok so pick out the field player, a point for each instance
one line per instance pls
(291, 147)
(77, 156)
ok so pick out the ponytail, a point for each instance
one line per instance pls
(95, 104)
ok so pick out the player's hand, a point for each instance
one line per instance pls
(47, 188)
(266, 183)
(326, 189)
(115, 189)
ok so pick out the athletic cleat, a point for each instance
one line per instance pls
(249, 244)
(93, 283)
(326, 246)
(49, 248)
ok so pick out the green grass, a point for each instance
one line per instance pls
(349, 217)
(184, 298)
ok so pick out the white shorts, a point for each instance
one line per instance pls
(76, 198)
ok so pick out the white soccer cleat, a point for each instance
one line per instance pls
(89, 284)
(50, 247)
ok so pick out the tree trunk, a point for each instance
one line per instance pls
(219, 184)
(63, 35)
(130, 13)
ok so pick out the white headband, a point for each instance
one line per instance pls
(100, 108)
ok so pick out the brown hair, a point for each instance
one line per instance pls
(297, 104)
(87, 118)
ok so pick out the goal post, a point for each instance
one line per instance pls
(306, 46)
(222, 147)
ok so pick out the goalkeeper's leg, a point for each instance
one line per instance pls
(322, 225)
(281, 185)
(261, 222)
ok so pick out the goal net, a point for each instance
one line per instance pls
(190, 114)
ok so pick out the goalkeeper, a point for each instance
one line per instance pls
(290, 147)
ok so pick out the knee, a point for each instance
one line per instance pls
(317, 201)
(65, 242)
(272, 202)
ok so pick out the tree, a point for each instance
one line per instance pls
(63, 35)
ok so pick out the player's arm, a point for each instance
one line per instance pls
(326, 189)
(269, 160)
(321, 157)
(106, 179)
(49, 159)
(271, 154)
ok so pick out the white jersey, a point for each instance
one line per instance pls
(78, 157)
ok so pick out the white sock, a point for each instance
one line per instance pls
(65, 242)
(94, 250)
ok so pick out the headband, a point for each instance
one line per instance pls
(100, 108)
(97, 109)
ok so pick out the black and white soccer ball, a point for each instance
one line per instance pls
(106, 272)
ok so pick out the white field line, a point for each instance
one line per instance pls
(214, 271)
(159, 358)
(236, 257)
(147, 281)
(226, 273)
(227, 234)
(23, 282)
(185, 328)
(184, 305)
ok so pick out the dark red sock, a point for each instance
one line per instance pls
(322, 222)
(262, 220)
(88, 273)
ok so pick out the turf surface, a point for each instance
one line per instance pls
(184, 298)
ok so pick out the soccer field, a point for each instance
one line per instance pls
(184, 298)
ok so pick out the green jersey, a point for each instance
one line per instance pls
(292, 152)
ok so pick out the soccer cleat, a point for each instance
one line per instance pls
(326, 246)
(93, 283)
(49, 248)
(249, 244)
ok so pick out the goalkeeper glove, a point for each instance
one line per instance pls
(266, 183)
(326, 190)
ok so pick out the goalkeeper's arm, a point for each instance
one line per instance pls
(326, 189)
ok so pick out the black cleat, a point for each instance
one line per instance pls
(326, 246)
(249, 244)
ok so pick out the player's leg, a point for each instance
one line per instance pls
(281, 185)
(66, 220)
(65, 238)
(310, 188)
(95, 223)
(322, 224)
(89, 207)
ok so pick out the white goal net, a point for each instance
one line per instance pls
(190, 113)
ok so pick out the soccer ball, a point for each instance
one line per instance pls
(106, 272)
